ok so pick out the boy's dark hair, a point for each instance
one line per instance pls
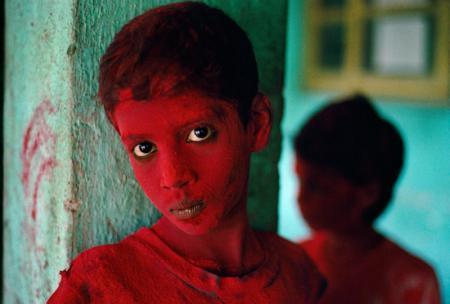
(350, 138)
(177, 47)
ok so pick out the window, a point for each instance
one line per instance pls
(395, 48)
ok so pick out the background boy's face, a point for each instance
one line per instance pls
(327, 200)
(191, 156)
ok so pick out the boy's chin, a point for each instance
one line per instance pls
(335, 228)
(318, 225)
(194, 227)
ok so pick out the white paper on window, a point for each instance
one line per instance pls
(400, 45)
(397, 3)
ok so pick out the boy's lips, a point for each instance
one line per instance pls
(187, 209)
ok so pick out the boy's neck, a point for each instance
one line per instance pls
(230, 250)
(348, 245)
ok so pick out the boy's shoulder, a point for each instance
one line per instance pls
(287, 250)
(283, 246)
(387, 255)
(114, 267)
(414, 278)
(403, 261)
(295, 263)
(100, 258)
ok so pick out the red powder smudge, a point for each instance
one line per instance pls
(45, 167)
(37, 135)
(38, 154)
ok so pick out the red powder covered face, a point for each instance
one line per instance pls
(327, 200)
(190, 154)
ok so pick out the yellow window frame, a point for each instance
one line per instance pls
(432, 88)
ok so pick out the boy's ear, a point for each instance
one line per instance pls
(297, 166)
(112, 120)
(368, 194)
(260, 122)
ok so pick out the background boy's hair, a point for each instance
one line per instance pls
(350, 138)
(177, 47)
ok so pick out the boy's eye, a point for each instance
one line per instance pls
(144, 149)
(199, 134)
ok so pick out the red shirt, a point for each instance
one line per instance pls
(387, 275)
(143, 269)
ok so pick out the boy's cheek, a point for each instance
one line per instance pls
(146, 177)
(149, 179)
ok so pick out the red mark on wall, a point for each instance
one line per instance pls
(38, 153)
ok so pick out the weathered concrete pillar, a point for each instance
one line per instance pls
(38, 114)
(68, 185)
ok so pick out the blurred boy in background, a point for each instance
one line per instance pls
(348, 160)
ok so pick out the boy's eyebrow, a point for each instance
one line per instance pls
(133, 137)
(215, 112)
(219, 112)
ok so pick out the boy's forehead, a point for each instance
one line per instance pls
(186, 105)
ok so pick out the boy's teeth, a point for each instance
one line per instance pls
(187, 212)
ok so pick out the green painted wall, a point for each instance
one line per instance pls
(68, 183)
(37, 147)
(419, 213)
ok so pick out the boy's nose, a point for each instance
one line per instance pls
(176, 172)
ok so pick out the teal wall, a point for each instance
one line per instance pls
(418, 216)
(68, 185)
(37, 147)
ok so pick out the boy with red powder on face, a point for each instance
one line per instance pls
(348, 160)
(179, 84)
